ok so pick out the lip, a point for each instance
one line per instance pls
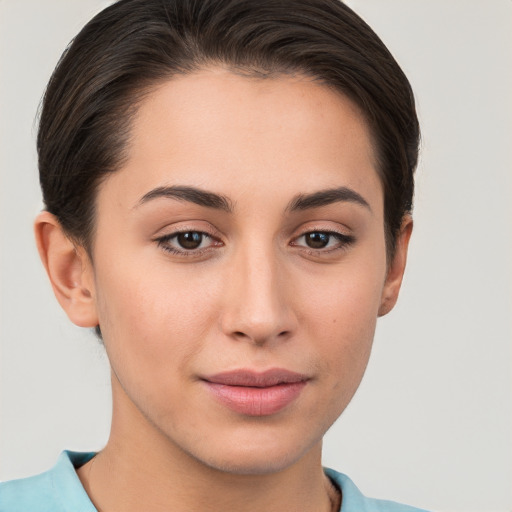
(256, 393)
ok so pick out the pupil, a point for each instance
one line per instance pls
(190, 239)
(317, 240)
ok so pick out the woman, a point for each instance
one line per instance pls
(228, 188)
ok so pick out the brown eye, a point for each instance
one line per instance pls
(317, 239)
(323, 242)
(188, 243)
(190, 239)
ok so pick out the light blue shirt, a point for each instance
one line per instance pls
(60, 490)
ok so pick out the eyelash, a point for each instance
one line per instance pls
(344, 241)
(164, 241)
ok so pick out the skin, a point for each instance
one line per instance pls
(254, 295)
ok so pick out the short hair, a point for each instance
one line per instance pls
(134, 45)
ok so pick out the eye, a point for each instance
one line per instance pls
(190, 239)
(187, 242)
(324, 241)
(317, 240)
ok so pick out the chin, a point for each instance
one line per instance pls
(254, 458)
(251, 463)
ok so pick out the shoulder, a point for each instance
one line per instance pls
(354, 501)
(33, 493)
(56, 490)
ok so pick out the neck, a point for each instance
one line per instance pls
(142, 469)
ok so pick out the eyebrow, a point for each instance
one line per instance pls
(219, 202)
(327, 197)
(190, 194)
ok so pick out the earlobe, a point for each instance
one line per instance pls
(396, 268)
(69, 269)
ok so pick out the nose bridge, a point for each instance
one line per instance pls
(257, 308)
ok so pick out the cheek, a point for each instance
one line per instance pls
(340, 314)
(346, 302)
(151, 318)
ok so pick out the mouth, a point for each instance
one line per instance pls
(256, 393)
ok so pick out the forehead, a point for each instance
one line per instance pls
(220, 130)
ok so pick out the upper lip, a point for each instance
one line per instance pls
(257, 379)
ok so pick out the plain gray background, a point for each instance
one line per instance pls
(432, 422)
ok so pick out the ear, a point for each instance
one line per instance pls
(69, 269)
(396, 268)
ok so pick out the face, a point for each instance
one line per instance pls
(239, 266)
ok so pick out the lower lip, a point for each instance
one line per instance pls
(254, 401)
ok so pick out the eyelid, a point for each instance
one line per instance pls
(345, 240)
(169, 234)
(340, 236)
(199, 226)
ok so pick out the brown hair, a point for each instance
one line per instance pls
(134, 44)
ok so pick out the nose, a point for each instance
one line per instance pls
(258, 302)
